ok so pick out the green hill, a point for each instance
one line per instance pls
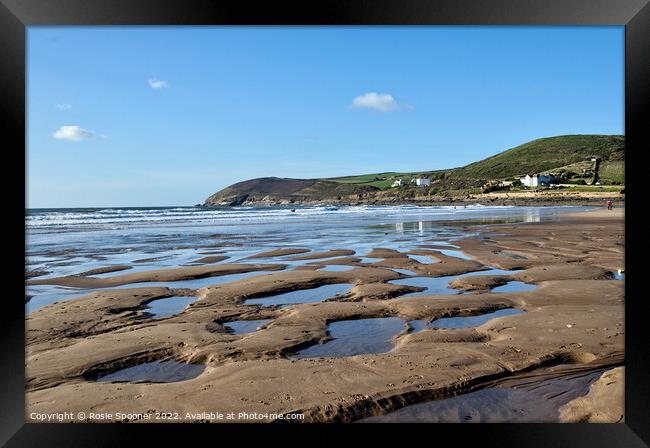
(275, 189)
(545, 154)
(565, 152)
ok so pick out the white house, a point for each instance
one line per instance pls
(536, 180)
(397, 183)
(422, 181)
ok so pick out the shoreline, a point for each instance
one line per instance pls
(522, 198)
(601, 213)
(574, 317)
(488, 201)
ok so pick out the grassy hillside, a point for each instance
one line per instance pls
(542, 155)
(612, 171)
(378, 180)
(278, 189)
(545, 154)
(566, 152)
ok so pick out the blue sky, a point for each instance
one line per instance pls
(144, 116)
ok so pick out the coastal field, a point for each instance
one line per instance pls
(326, 314)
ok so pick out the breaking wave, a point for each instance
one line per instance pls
(39, 218)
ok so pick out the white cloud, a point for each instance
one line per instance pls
(158, 83)
(382, 102)
(72, 133)
(64, 106)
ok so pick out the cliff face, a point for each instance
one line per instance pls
(282, 190)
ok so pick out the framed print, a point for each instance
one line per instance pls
(355, 214)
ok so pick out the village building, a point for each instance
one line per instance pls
(397, 183)
(422, 181)
(536, 180)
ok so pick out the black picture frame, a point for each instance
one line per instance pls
(16, 15)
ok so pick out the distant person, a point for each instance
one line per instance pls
(610, 204)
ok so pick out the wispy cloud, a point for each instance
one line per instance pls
(158, 83)
(381, 102)
(72, 133)
(63, 106)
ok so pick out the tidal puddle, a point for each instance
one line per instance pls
(368, 259)
(442, 243)
(302, 296)
(440, 285)
(463, 321)
(514, 287)
(356, 337)
(532, 402)
(454, 253)
(494, 271)
(337, 268)
(155, 372)
(43, 295)
(245, 326)
(433, 285)
(511, 286)
(169, 306)
(424, 259)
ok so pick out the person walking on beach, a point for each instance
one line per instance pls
(610, 204)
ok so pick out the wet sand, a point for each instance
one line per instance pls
(573, 319)
(604, 403)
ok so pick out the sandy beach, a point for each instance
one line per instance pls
(556, 275)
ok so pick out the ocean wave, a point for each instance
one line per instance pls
(109, 216)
